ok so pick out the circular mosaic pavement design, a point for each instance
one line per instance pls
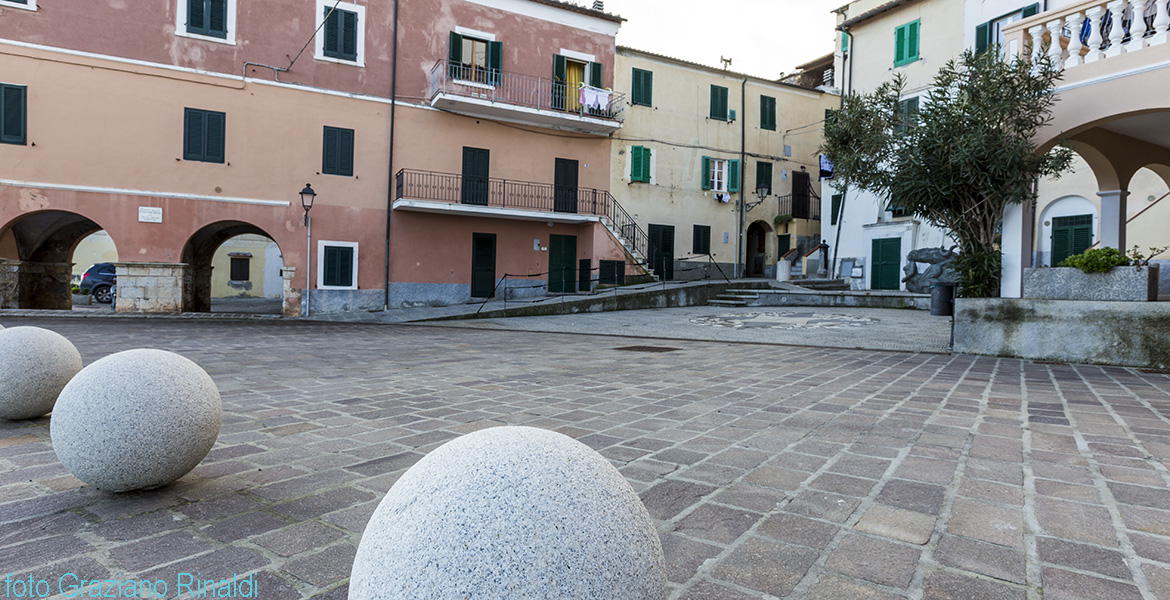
(785, 320)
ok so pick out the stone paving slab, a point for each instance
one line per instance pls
(770, 471)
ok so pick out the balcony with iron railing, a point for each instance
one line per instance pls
(800, 206)
(449, 193)
(526, 99)
(1092, 31)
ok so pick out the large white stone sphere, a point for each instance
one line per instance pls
(510, 512)
(35, 364)
(136, 420)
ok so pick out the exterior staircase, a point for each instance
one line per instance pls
(733, 298)
(825, 285)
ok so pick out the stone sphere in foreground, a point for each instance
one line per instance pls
(136, 420)
(510, 512)
(35, 364)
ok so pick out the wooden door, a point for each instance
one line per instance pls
(483, 265)
(475, 176)
(562, 264)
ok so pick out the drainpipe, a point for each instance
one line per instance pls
(845, 189)
(390, 181)
(739, 246)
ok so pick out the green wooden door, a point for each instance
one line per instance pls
(1070, 236)
(483, 265)
(886, 264)
(562, 264)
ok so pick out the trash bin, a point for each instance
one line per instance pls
(942, 299)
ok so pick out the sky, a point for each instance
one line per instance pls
(762, 37)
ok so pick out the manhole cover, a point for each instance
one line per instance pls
(646, 349)
(786, 320)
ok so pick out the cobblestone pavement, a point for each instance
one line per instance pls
(865, 328)
(771, 471)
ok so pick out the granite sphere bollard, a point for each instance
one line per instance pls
(136, 420)
(510, 512)
(35, 364)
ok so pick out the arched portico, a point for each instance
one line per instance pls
(35, 258)
(197, 257)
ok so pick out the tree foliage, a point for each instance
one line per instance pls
(966, 154)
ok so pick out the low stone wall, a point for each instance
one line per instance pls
(1132, 284)
(1096, 332)
(150, 287)
(850, 299)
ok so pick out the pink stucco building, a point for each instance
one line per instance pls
(177, 125)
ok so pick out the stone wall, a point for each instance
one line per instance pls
(39, 285)
(149, 287)
(1131, 284)
(1097, 332)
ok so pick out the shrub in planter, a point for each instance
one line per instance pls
(1096, 260)
(781, 219)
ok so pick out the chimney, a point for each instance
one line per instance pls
(599, 5)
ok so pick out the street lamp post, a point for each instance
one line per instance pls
(307, 197)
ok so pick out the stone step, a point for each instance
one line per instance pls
(718, 302)
(822, 284)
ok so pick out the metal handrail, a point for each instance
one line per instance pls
(524, 195)
(523, 90)
(800, 208)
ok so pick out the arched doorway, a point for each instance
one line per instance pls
(249, 263)
(36, 252)
(756, 259)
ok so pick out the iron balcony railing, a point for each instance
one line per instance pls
(524, 195)
(800, 206)
(525, 90)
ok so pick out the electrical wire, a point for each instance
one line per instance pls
(310, 40)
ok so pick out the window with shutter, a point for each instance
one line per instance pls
(13, 117)
(208, 17)
(640, 164)
(836, 209)
(718, 102)
(204, 133)
(1070, 236)
(991, 33)
(337, 262)
(337, 158)
(643, 88)
(768, 113)
(907, 114)
(733, 175)
(706, 175)
(701, 240)
(764, 175)
(906, 43)
(341, 31)
(240, 267)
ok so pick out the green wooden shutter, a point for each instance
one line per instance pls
(900, 45)
(217, 18)
(719, 102)
(495, 62)
(349, 31)
(559, 68)
(214, 132)
(1082, 238)
(635, 87)
(636, 163)
(706, 172)
(193, 134)
(646, 156)
(733, 175)
(836, 209)
(643, 87)
(196, 16)
(13, 120)
(558, 88)
(1030, 10)
(982, 37)
(454, 55)
(345, 146)
(331, 153)
(332, 44)
(764, 174)
(912, 42)
(345, 266)
(330, 264)
(1061, 245)
(595, 75)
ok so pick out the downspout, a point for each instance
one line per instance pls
(390, 182)
(845, 189)
(741, 250)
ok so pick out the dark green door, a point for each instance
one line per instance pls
(662, 251)
(562, 264)
(1070, 236)
(475, 176)
(483, 265)
(783, 244)
(565, 186)
(887, 264)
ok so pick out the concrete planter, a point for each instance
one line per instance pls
(82, 299)
(1125, 284)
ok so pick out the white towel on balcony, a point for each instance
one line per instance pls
(592, 97)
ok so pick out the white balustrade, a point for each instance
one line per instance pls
(1116, 31)
(1161, 23)
(1055, 52)
(1095, 38)
(1074, 22)
(1090, 31)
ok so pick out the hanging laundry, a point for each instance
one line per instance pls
(596, 98)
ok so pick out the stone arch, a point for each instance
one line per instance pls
(1103, 169)
(198, 253)
(36, 250)
(756, 249)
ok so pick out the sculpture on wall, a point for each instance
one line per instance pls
(939, 271)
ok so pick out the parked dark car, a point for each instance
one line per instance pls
(99, 281)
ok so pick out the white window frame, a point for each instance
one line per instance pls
(719, 167)
(321, 244)
(319, 39)
(181, 24)
(32, 5)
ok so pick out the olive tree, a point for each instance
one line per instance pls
(960, 159)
